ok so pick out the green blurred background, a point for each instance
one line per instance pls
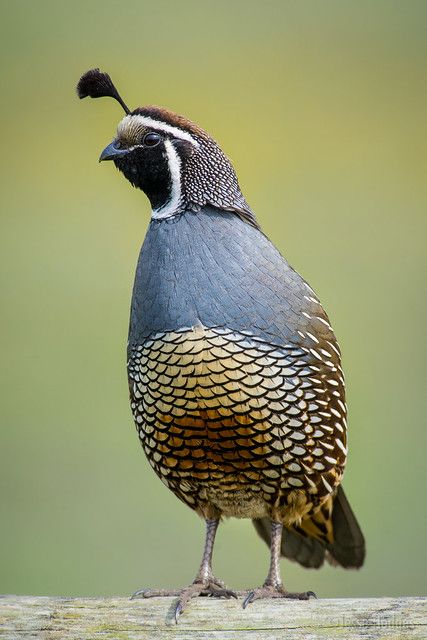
(322, 107)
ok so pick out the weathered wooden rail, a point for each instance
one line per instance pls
(23, 617)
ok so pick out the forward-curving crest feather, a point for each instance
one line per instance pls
(98, 84)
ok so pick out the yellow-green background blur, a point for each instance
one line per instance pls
(322, 108)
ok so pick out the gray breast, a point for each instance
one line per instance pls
(214, 269)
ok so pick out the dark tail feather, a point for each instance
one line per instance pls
(346, 547)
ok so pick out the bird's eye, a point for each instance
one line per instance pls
(151, 139)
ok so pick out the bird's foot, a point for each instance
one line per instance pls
(211, 587)
(275, 591)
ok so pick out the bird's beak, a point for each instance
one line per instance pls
(112, 151)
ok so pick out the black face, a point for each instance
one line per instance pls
(147, 168)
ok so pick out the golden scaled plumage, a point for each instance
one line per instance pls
(236, 426)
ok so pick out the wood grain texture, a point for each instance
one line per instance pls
(57, 618)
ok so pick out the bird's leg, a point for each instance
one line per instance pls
(204, 584)
(273, 587)
(205, 571)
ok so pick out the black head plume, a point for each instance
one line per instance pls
(96, 84)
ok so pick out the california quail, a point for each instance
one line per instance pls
(235, 379)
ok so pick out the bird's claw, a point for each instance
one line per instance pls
(249, 598)
(210, 588)
(141, 593)
(269, 591)
(178, 610)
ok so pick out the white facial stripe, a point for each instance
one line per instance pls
(145, 121)
(172, 206)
